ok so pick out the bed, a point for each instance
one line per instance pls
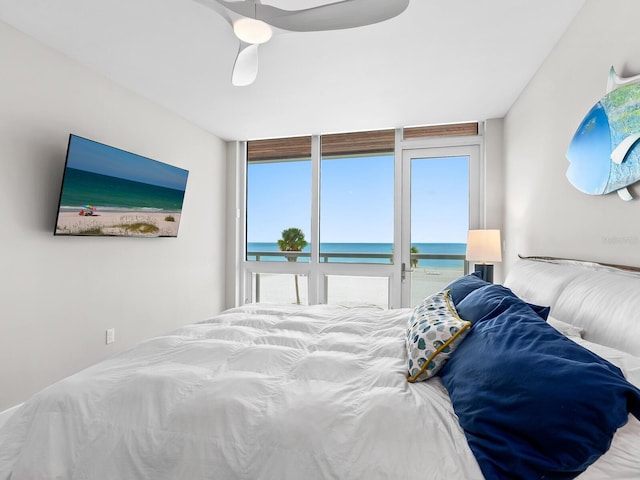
(321, 392)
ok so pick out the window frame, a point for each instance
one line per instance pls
(317, 271)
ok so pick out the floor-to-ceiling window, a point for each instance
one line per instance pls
(437, 216)
(361, 218)
(356, 221)
(278, 215)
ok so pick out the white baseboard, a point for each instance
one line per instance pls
(4, 416)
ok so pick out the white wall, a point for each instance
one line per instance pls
(544, 213)
(58, 295)
(235, 205)
(494, 182)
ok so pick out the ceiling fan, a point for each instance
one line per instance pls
(254, 24)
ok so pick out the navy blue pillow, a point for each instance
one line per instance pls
(463, 286)
(532, 403)
(483, 300)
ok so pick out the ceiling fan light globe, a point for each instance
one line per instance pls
(252, 31)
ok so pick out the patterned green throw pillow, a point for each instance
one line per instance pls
(435, 330)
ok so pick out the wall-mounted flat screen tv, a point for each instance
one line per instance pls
(110, 192)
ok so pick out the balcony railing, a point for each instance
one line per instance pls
(325, 257)
(353, 257)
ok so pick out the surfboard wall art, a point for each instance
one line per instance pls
(604, 154)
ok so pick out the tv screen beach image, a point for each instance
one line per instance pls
(111, 192)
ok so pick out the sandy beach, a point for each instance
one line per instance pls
(345, 290)
(130, 223)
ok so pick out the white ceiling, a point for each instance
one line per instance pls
(440, 61)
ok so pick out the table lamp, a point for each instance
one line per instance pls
(483, 246)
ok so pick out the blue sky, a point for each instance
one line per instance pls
(98, 158)
(440, 200)
(356, 203)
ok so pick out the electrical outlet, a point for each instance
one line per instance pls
(111, 335)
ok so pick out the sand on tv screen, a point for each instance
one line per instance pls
(111, 192)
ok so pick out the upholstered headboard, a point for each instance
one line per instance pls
(601, 299)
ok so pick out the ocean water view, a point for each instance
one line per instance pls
(361, 249)
(112, 193)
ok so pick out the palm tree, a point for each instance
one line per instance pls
(293, 241)
(414, 261)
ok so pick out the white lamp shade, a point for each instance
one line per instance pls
(252, 31)
(484, 246)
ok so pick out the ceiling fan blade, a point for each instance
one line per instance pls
(245, 68)
(334, 16)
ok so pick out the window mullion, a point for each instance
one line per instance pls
(395, 290)
(243, 286)
(316, 289)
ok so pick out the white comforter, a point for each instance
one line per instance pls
(258, 392)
